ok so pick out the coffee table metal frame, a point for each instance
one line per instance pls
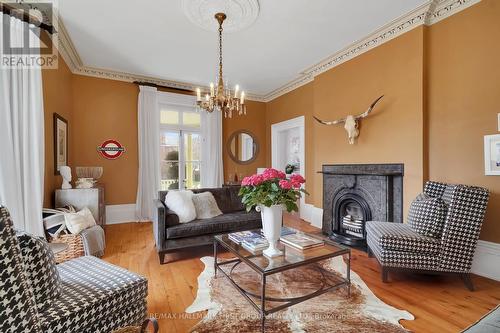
(287, 302)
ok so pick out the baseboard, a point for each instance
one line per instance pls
(116, 214)
(487, 260)
(312, 214)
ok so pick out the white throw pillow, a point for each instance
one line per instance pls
(205, 205)
(76, 222)
(181, 203)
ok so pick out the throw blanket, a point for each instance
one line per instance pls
(93, 241)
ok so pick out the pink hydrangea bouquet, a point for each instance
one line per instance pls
(272, 187)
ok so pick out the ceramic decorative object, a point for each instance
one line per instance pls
(272, 220)
(89, 172)
(85, 183)
(65, 172)
(270, 193)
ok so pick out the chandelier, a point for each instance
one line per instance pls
(220, 97)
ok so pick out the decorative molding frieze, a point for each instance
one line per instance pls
(447, 8)
(66, 47)
(429, 13)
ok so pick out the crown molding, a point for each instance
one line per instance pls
(429, 13)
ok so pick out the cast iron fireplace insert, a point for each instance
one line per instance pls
(356, 193)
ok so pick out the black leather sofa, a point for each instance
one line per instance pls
(170, 235)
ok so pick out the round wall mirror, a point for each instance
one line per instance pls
(242, 147)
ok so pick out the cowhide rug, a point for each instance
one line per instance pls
(229, 311)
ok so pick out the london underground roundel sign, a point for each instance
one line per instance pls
(111, 149)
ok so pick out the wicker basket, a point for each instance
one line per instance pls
(74, 250)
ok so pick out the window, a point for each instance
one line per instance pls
(180, 145)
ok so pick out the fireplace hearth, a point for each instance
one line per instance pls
(356, 193)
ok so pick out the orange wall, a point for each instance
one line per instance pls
(106, 109)
(393, 133)
(57, 98)
(254, 123)
(463, 100)
(349, 89)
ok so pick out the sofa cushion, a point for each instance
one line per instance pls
(221, 196)
(18, 311)
(427, 215)
(400, 237)
(205, 205)
(40, 268)
(223, 223)
(401, 259)
(96, 297)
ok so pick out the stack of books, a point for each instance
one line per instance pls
(255, 241)
(301, 241)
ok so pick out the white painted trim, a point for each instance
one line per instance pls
(116, 214)
(312, 214)
(429, 13)
(299, 122)
(487, 260)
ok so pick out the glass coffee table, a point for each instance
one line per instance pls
(292, 259)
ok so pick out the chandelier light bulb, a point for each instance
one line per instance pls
(236, 89)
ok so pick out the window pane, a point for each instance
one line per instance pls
(169, 157)
(169, 175)
(191, 119)
(169, 117)
(192, 175)
(192, 143)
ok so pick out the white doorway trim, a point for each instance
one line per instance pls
(276, 129)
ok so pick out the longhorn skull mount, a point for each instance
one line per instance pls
(351, 122)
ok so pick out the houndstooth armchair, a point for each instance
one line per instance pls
(441, 235)
(85, 295)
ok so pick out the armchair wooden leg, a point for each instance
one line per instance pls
(162, 257)
(467, 281)
(369, 251)
(385, 274)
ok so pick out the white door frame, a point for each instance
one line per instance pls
(298, 122)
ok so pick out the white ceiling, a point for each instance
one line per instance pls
(154, 38)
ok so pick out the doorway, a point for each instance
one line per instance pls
(288, 147)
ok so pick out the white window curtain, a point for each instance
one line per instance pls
(212, 171)
(149, 153)
(21, 135)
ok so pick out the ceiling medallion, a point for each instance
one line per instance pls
(220, 97)
(240, 13)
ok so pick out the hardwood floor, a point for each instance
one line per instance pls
(439, 303)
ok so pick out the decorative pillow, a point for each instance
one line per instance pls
(40, 268)
(76, 222)
(205, 205)
(181, 203)
(427, 215)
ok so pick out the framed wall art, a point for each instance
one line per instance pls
(60, 142)
(492, 155)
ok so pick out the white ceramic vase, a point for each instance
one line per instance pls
(272, 218)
